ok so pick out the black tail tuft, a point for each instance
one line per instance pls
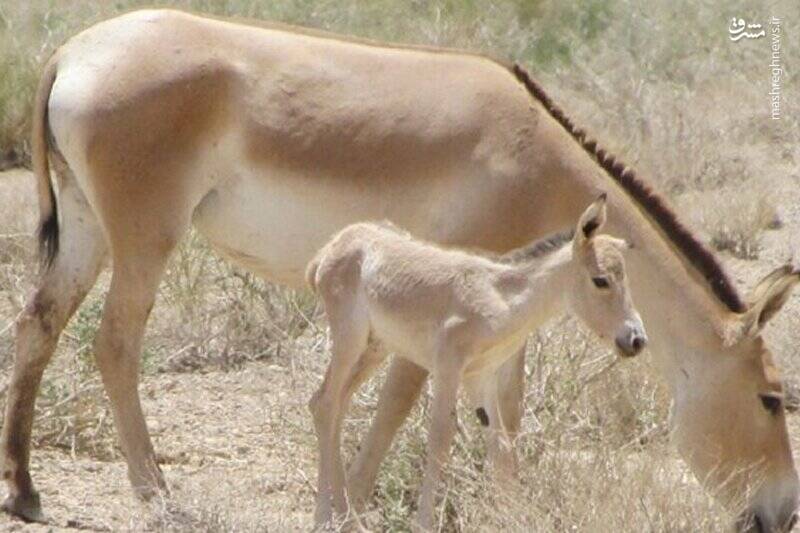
(48, 238)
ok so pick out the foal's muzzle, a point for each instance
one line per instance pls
(632, 343)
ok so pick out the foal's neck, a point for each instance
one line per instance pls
(541, 285)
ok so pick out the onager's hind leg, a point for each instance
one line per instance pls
(60, 291)
(398, 395)
(130, 298)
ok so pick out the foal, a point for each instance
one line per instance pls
(456, 314)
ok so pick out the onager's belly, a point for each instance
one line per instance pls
(273, 223)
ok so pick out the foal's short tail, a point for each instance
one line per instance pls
(337, 250)
(311, 271)
(48, 209)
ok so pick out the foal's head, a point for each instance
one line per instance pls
(599, 293)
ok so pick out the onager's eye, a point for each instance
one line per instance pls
(772, 402)
(600, 283)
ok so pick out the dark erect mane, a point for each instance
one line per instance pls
(653, 205)
(537, 249)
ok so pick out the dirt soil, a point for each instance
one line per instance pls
(221, 437)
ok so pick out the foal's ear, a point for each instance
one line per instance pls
(622, 245)
(592, 219)
(768, 297)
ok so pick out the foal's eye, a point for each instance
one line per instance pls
(600, 283)
(771, 402)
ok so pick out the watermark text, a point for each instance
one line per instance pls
(775, 68)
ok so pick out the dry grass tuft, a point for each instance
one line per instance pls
(191, 516)
(252, 320)
(737, 228)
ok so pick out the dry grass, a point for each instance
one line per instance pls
(230, 361)
(737, 227)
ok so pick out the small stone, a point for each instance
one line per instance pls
(775, 223)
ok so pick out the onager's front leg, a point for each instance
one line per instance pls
(509, 392)
(482, 391)
(445, 392)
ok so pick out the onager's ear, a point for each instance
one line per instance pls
(760, 290)
(591, 220)
(768, 297)
(791, 395)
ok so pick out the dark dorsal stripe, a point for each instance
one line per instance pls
(653, 205)
(537, 249)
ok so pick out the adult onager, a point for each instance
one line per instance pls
(456, 314)
(271, 139)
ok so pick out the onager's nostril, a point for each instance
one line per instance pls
(625, 347)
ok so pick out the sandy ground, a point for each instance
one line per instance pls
(220, 444)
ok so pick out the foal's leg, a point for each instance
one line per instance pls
(398, 395)
(447, 376)
(349, 330)
(363, 370)
(60, 291)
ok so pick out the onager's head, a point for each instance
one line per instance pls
(730, 424)
(599, 293)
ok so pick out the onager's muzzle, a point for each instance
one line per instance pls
(774, 509)
(754, 522)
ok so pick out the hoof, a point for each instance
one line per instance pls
(29, 507)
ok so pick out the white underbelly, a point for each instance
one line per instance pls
(415, 341)
(273, 224)
(491, 359)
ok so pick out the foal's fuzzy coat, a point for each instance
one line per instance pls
(457, 314)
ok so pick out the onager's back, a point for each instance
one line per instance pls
(459, 315)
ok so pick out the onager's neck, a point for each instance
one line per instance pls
(680, 312)
(682, 319)
(681, 291)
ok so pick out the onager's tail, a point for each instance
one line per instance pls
(48, 210)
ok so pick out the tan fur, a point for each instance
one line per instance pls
(456, 314)
(270, 140)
